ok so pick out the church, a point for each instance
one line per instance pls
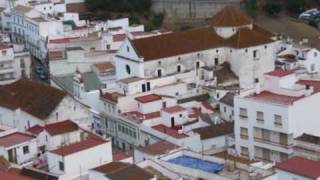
(231, 40)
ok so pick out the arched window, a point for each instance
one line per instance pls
(128, 69)
(197, 64)
(179, 68)
(159, 72)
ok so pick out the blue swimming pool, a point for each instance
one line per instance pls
(195, 163)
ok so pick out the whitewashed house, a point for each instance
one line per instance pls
(24, 104)
(268, 118)
(56, 134)
(74, 160)
(18, 148)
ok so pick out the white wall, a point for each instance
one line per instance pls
(79, 163)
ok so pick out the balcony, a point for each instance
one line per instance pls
(260, 121)
(243, 136)
(243, 117)
(273, 143)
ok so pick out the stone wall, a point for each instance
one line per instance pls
(182, 9)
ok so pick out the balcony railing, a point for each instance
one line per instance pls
(267, 141)
(243, 116)
(259, 120)
(243, 136)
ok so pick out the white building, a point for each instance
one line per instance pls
(56, 134)
(14, 65)
(18, 148)
(31, 28)
(268, 118)
(24, 104)
(74, 160)
(248, 49)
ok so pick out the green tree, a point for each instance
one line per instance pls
(251, 7)
(272, 7)
(296, 6)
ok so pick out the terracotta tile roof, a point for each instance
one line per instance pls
(91, 142)
(35, 130)
(61, 127)
(13, 176)
(36, 174)
(269, 97)
(131, 79)
(111, 167)
(216, 130)
(148, 98)
(174, 109)
(14, 139)
(160, 147)
(140, 116)
(119, 37)
(176, 43)
(37, 99)
(314, 83)
(301, 166)
(198, 39)
(279, 73)
(207, 105)
(76, 8)
(247, 38)
(112, 97)
(119, 155)
(104, 66)
(123, 171)
(230, 17)
(169, 131)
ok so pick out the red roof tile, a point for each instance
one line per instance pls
(13, 176)
(148, 98)
(140, 116)
(14, 139)
(160, 147)
(90, 142)
(169, 131)
(315, 84)
(119, 155)
(229, 17)
(112, 97)
(103, 66)
(119, 37)
(207, 105)
(279, 73)
(270, 97)
(174, 109)
(37, 99)
(301, 166)
(61, 127)
(35, 130)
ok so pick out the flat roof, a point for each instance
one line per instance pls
(148, 98)
(269, 97)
